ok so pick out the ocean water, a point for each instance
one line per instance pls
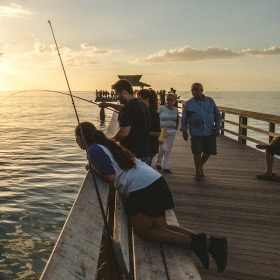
(42, 168)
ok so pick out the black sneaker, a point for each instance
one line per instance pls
(200, 247)
(166, 171)
(219, 250)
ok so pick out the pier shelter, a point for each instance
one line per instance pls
(134, 80)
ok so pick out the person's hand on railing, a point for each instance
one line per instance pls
(185, 135)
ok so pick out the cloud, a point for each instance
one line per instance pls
(84, 50)
(78, 63)
(84, 55)
(13, 11)
(39, 48)
(91, 50)
(188, 53)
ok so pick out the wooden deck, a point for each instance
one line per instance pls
(233, 203)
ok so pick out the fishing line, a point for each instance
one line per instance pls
(91, 170)
(55, 91)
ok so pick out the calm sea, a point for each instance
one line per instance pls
(42, 168)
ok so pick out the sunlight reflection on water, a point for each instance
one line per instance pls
(41, 171)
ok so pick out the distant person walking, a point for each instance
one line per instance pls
(203, 118)
(162, 94)
(149, 97)
(134, 121)
(169, 120)
(271, 149)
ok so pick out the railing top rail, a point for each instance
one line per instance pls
(249, 114)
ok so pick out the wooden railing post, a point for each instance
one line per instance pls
(223, 123)
(102, 116)
(242, 130)
(271, 129)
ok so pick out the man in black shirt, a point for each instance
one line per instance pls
(134, 121)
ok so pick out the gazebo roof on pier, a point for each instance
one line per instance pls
(134, 80)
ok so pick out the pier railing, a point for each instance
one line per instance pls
(247, 123)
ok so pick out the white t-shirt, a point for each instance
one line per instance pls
(127, 181)
(168, 117)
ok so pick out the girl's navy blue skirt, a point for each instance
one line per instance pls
(151, 201)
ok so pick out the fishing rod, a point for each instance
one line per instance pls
(87, 100)
(90, 167)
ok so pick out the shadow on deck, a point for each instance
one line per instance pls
(233, 203)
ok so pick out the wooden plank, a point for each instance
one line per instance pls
(75, 255)
(260, 130)
(120, 234)
(251, 114)
(163, 261)
(230, 122)
(179, 263)
(230, 202)
(148, 260)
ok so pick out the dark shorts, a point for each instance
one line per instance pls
(204, 144)
(151, 201)
(275, 148)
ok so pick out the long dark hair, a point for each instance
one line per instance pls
(123, 157)
(151, 95)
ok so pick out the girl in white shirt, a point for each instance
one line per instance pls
(147, 195)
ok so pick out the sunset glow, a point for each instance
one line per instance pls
(226, 45)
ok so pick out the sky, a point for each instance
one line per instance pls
(223, 44)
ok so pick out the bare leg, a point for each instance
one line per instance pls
(269, 162)
(197, 163)
(204, 158)
(156, 229)
(164, 235)
(180, 229)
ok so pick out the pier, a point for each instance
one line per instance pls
(233, 203)
(230, 202)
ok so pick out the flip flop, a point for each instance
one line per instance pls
(266, 177)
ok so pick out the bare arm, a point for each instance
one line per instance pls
(155, 133)
(108, 178)
(121, 133)
(185, 135)
(115, 106)
(177, 122)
